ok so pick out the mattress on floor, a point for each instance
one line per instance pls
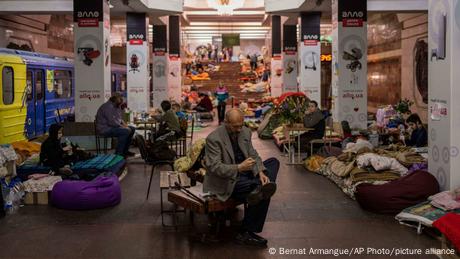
(423, 213)
(85, 169)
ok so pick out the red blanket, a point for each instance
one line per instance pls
(449, 225)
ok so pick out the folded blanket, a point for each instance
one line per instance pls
(362, 175)
(380, 163)
(342, 169)
(41, 185)
(446, 200)
(7, 153)
(408, 158)
(449, 225)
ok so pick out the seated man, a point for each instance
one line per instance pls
(314, 118)
(170, 127)
(234, 169)
(205, 104)
(110, 124)
(418, 134)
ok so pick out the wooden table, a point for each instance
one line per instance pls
(152, 125)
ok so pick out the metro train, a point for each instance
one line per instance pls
(37, 90)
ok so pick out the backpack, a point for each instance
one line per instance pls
(160, 150)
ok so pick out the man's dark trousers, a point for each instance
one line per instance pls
(254, 216)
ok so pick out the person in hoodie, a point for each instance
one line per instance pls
(54, 154)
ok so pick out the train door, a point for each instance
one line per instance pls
(35, 103)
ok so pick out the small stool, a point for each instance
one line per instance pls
(167, 182)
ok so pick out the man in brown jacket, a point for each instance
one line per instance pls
(234, 169)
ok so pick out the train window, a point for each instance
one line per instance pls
(39, 85)
(8, 85)
(29, 86)
(63, 83)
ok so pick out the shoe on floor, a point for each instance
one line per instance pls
(247, 238)
(262, 192)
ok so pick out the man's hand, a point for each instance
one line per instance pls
(246, 165)
(263, 178)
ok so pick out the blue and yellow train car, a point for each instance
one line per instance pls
(36, 90)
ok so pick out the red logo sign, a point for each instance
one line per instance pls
(354, 22)
(88, 22)
(310, 42)
(136, 42)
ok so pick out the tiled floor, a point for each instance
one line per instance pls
(308, 211)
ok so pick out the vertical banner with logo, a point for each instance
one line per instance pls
(92, 57)
(276, 80)
(290, 70)
(349, 68)
(175, 71)
(137, 59)
(310, 56)
(443, 92)
(159, 65)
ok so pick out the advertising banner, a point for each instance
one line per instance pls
(137, 57)
(350, 62)
(92, 57)
(310, 56)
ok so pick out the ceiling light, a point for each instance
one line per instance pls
(225, 7)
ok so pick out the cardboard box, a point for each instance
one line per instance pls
(37, 198)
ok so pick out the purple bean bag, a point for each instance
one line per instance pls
(102, 192)
(392, 197)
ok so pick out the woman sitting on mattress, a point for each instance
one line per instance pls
(55, 155)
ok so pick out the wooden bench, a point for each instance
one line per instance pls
(167, 182)
(208, 206)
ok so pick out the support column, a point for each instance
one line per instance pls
(443, 92)
(137, 57)
(92, 57)
(276, 81)
(310, 55)
(175, 70)
(160, 65)
(290, 70)
(349, 57)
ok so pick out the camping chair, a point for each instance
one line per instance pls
(325, 139)
(98, 140)
(140, 141)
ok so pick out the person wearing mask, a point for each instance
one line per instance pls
(222, 96)
(314, 119)
(54, 154)
(235, 169)
(109, 123)
(205, 104)
(417, 132)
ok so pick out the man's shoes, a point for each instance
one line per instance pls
(251, 239)
(262, 192)
(254, 235)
